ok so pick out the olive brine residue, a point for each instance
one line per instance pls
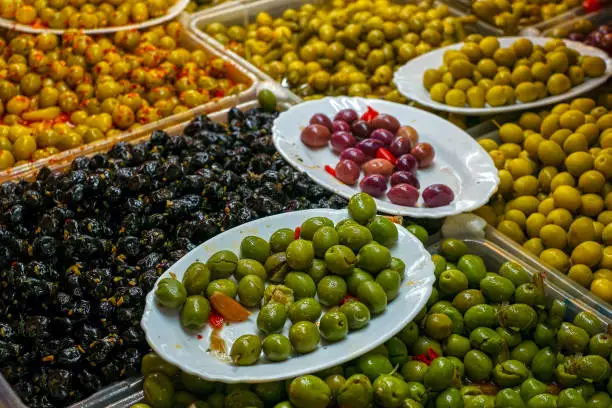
(80, 249)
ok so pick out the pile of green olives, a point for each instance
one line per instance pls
(555, 195)
(292, 277)
(511, 15)
(80, 14)
(483, 73)
(484, 340)
(342, 47)
(60, 92)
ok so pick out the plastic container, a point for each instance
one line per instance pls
(235, 72)
(529, 30)
(598, 18)
(559, 277)
(492, 253)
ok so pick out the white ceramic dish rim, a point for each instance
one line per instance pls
(412, 88)
(173, 11)
(423, 283)
(480, 166)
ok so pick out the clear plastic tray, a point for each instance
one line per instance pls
(530, 30)
(598, 18)
(246, 12)
(235, 71)
(562, 280)
(493, 254)
(127, 392)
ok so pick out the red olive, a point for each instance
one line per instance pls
(347, 115)
(321, 119)
(438, 195)
(383, 135)
(400, 146)
(342, 140)
(378, 166)
(424, 153)
(406, 162)
(403, 194)
(347, 171)
(338, 125)
(384, 121)
(405, 177)
(370, 146)
(409, 133)
(354, 154)
(374, 184)
(315, 136)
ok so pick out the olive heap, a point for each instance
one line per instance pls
(81, 249)
(484, 340)
(80, 14)
(555, 196)
(484, 73)
(281, 277)
(511, 15)
(387, 150)
(341, 47)
(58, 93)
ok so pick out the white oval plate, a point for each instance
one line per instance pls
(173, 11)
(409, 79)
(459, 161)
(183, 349)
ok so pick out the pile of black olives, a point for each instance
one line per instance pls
(80, 249)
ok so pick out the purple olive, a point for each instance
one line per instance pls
(384, 121)
(405, 177)
(315, 135)
(347, 171)
(370, 146)
(383, 135)
(321, 119)
(403, 194)
(338, 125)
(406, 162)
(438, 195)
(347, 115)
(400, 146)
(340, 141)
(354, 154)
(374, 184)
(360, 129)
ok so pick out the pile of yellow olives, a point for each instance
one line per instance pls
(57, 93)
(510, 15)
(483, 73)
(81, 14)
(555, 195)
(342, 47)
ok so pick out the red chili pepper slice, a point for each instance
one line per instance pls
(369, 114)
(330, 170)
(215, 320)
(298, 232)
(348, 298)
(426, 358)
(383, 153)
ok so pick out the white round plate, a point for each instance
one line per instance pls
(409, 79)
(173, 11)
(459, 161)
(191, 354)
